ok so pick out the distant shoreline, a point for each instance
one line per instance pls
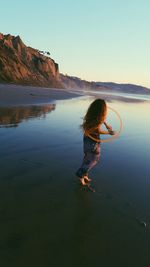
(21, 95)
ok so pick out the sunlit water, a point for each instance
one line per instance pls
(125, 95)
(46, 219)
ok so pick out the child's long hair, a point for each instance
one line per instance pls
(94, 116)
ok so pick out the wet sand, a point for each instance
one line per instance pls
(46, 218)
(11, 95)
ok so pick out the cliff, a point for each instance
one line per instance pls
(24, 65)
(20, 64)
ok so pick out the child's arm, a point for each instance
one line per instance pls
(110, 131)
(107, 126)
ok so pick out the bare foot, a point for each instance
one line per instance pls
(87, 178)
(82, 181)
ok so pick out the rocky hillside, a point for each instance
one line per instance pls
(25, 65)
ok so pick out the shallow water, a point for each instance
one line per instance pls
(46, 219)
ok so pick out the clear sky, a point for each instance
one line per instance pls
(99, 40)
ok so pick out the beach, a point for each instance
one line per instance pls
(47, 218)
(11, 94)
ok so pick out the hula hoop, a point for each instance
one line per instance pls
(114, 136)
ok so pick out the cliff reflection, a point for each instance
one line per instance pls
(12, 116)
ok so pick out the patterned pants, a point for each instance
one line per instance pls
(91, 156)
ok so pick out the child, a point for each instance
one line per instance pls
(94, 118)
